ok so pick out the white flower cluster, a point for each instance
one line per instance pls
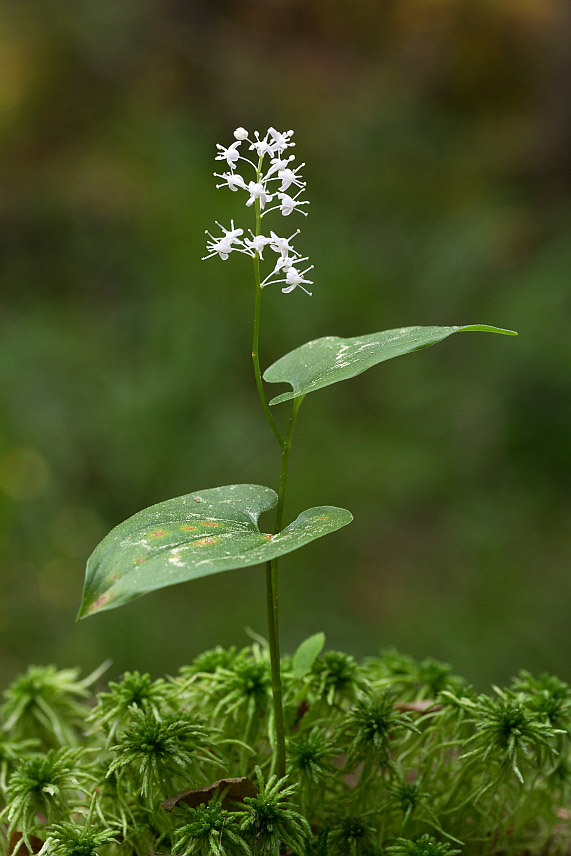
(261, 191)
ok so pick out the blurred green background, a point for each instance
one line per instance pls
(437, 136)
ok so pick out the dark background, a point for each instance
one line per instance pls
(437, 137)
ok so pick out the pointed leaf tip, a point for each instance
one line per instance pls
(325, 361)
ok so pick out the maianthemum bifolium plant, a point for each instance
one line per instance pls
(216, 530)
(245, 751)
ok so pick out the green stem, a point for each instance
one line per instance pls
(274, 640)
(272, 595)
(256, 353)
(286, 447)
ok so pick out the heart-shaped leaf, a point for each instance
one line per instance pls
(194, 536)
(331, 359)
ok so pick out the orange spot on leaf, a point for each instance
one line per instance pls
(158, 533)
(188, 528)
(101, 601)
(203, 542)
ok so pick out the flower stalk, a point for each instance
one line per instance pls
(256, 340)
(286, 270)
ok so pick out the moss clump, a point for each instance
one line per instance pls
(387, 756)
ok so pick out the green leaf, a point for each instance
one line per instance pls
(194, 536)
(307, 653)
(331, 359)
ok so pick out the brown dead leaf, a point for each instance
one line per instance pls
(233, 790)
(418, 706)
(17, 847)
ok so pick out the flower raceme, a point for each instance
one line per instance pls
(280, 184)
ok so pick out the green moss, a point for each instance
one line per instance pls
(375, 764)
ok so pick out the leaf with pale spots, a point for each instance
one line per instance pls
(194, 536)
(332, 359)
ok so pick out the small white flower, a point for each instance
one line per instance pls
(241, 134)
(231, 154)
(233, 180)
(282, 245)
(223, 246)
(281, 141)
(290, 204)
(232, 233)
(294, 279)
(284, 263)
(257, 190)
(262, 147)
(257, 243)
(277, 164)
(288, 177)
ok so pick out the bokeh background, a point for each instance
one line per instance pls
(437, 136)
